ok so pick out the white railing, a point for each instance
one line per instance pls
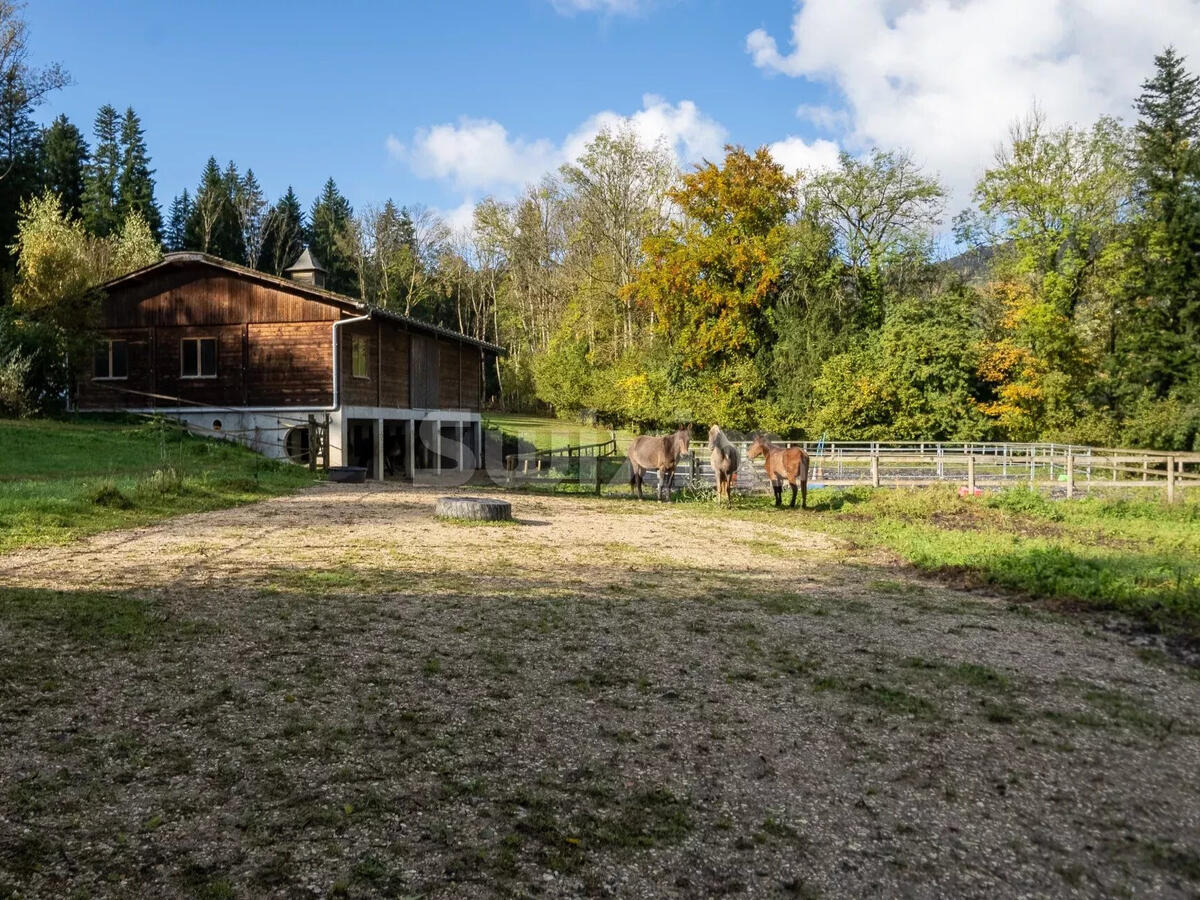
(975, 465)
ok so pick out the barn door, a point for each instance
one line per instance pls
(424, 372)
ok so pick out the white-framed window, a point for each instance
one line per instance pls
(358, 356)
(198, 357)
(112, 360)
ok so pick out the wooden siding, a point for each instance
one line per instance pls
(395, 371)
(424, 372)
(359, 391)
(274, 349)
(471, 366)
(122, 392)
(189, 297)
(226, 389)
(290, 364)
(449, 378)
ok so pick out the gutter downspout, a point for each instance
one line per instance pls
(337, 357)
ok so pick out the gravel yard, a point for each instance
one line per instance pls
(333, 694)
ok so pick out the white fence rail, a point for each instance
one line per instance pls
(1067, 468)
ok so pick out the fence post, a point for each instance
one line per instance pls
(971, 474)
(1170, 479)
(875, 467)
(313, 440)
(325, 435)
(1070, 475)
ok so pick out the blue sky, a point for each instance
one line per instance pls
(301, 91)
(442, 103)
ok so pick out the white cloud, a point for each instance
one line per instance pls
(825, 118)
(798, 155)
(945, 78)
(689, 133)
(475, 153)
(480, 154)
(461, 218)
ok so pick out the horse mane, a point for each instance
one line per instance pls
(718, 440)
(765, 441)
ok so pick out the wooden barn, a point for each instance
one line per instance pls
(270, 361)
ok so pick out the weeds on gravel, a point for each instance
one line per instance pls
(89, 618)
(1139, 557)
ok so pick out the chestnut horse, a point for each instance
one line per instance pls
(724, 462)
(790, 463)
(659, 452)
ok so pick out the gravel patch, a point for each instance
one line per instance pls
(334, 694)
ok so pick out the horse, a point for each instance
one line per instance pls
(791, 463)
(659, 452)
(724, 459)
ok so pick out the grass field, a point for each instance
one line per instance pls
(545, 433)
(1139, 557)
(60, 480)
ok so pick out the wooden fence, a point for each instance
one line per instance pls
(1064, 469)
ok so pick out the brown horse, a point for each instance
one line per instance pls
(659, 452)
(724, 461)
(790, 463)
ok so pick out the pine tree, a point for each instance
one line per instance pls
(1162, 346)
(250, 205)
(135, 183)
(22, 89)
(213, 226)
(100, 186)
(64, 162)
(176, 237)
(20, 163)
(232, 247)
(283, 238)
(328, 221)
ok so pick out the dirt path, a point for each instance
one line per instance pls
(332, 693)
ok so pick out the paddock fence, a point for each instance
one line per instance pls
(1063, 469)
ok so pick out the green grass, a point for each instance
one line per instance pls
(1140, 557)
(545, 433)
(61, 480)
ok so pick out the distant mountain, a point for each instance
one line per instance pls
(971, 265)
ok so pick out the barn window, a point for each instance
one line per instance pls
(358, 353)
(112, 359)
(198, 357)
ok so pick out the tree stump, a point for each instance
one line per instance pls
(477, 508)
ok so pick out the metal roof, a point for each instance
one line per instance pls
(320, 295)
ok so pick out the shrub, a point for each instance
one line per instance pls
(14, 401)
(1024, 501)
(109, 495)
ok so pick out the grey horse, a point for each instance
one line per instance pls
(724, 460)
(659, 452)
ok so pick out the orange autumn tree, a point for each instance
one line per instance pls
(710, 277)
(1034, 364)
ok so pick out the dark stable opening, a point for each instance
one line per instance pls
(395, 448)
(360, 446)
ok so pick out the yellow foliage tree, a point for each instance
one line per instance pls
(60, 267)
